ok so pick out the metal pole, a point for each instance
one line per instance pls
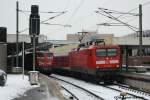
(34, 46)
(17, 30)
(23, 59)
(33, 52)
(140, 32)
(127, 58)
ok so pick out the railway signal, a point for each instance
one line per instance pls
(34, 29)
(34, 26)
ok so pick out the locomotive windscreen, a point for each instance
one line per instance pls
(112, 52)
(106, 52)
(101, 52)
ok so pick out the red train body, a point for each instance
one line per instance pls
(98, 61)
(44, 61)
(103, 57)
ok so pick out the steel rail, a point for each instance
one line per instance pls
(73, 95)
(130, 88)
(97, 96)
(126, 92)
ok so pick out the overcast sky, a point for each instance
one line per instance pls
(80, 14)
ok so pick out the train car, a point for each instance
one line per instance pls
(100, 62)
(44, 61)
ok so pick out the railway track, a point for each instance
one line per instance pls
(83, 89)
(72, 94)
(128, 89)
(114, 89)
(146, 93)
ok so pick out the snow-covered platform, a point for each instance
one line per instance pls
(19, 88)
(16, 86)
(138, 69)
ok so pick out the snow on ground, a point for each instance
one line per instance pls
(135, 93)
(146, 73)
(97, 89)
(82, 95)
(106, 93)
(16, 86)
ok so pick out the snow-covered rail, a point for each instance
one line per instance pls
(88, 92)
(130, 88)
(107, 92)
(129, 91)
(72, 94)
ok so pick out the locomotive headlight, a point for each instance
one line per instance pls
(117, 65)
(114, 61)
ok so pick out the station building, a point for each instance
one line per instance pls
(11, 38)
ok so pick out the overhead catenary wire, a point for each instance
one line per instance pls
(114, 18)
(24, 11)
(44, 21)
(53, 17)
(109, 12)
(66, 6)
(118, 12)
(144, 4)
(76, 10)
(125, 13)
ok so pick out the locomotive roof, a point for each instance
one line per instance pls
(103, 46)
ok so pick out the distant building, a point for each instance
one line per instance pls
(90, 36)
(146, 33)
(11, 38)
(133, 39)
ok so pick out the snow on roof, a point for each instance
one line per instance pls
(63, 50)
(15, 87)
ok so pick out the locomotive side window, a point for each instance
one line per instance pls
(101, 52)
(112, 52)
(40, 55)
(49, 54)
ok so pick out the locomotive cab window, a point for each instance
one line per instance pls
(49, 54)
(112, 52)
(101, 52)
(40, 55)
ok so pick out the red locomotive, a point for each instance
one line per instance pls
(92, 59)
(101, 62)
(44, 61)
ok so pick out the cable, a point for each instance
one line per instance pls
(76, 10)
(66, 6)
(117, 12)
(117, 18)
(57, 24)
(114, 18)
(39, 11)
(53, 17)
(131, 20)
(23, 30)
(43, 21)
(146, 3)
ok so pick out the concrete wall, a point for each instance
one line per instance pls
(24, 38)
(3, 56)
